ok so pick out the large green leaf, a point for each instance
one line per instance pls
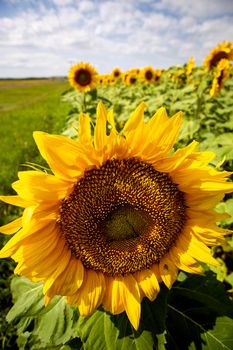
(187, 314)
(39, 326)
(193, 309)
(220, 338)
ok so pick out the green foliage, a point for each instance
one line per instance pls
(195, 314)
(23, 110)
(39, 327)
(7, 331)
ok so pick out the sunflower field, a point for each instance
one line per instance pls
(125, 236)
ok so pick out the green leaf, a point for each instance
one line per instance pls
(188, 129)
(39, 326)
(220, 338)
(107, 332)
(229, 279)
(226, 207)
(57, 326)
(28, 298)
(193, 309)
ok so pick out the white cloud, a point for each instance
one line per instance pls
(109, 33)
(198, 8)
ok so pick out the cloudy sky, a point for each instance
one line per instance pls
(44, 37)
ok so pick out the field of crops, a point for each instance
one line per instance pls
(23, 110)
(194, 312)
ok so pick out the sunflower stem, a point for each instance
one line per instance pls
(84, 103)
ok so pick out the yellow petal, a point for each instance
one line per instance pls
(131, 299)
(162, 137)
(168, 271)
(148, 283)
(16, 200)
(100, 137)
(12, 227)
(39, 186)
(113, 300)
(217, 186)
(201, 201)
(135, 133)
(189, 244)
(34, 245)
(157, 121)
(135, 120)
(63, 262)
(174, 162)
(110, 118)
(170, 132)
(85, 129)
(90, 295)
(184, 261)
(32, 228)
(155, 269)
(69, 281)
(61, 153)
(42, 266)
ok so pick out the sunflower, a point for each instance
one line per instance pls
(223, 50)
(130, 78)
(221, 73)
(157, 75)
(190, 66)
(83, 77)
(101, 79)
(119, 215)
(116, 73)
(147, 74)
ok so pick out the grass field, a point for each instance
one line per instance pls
(23, 110)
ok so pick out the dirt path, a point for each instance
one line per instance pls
(25, 84)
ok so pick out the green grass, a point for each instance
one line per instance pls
(23, 110)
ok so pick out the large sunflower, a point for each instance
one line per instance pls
(223, 50)
(83, 77)
(119, 214)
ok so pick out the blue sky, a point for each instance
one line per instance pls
(44, 37)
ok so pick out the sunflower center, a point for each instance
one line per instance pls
(124, 223)
(122, 217)
(133, 80)
(148, 75)
(83, 77)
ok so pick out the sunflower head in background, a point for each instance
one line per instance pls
(222, 51)
(147, 74)
(221, 73)
(120, 213)
(157, 75)
(83, 77)
(116, 73)
(131, 78)
(190, 66)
